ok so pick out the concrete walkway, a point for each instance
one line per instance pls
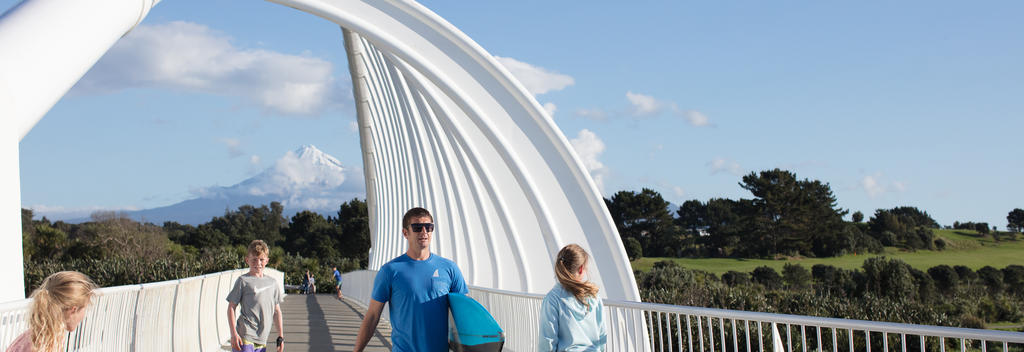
(322, 323)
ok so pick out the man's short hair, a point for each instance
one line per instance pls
(258, 247)
(415, 213)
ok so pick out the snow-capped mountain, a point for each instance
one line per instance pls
(304, 179)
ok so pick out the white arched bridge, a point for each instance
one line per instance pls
(443, 126)
(188, 315)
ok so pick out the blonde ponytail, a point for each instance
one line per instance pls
(58, 292)
(570, 259)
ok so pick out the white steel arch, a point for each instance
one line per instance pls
(442, 125)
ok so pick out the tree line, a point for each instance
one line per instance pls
(881, 290)
(115, 250)
(787, 216)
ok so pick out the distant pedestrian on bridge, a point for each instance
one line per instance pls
(337, 281)
(416, 284)
(571, 315)
(259, 296)
(57, 307)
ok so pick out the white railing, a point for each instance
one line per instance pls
(177, 315)
(678, 328)
(358, 286)
(681, 328)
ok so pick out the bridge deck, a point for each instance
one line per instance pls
(323, 323)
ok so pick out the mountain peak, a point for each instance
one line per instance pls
(311, 154)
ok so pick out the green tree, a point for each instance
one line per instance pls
(918, 216)
(645, 217)
(633, 249)
(354, 222)
(1015, 220)
(903, 227)
(27, 227)
(311, 235)
(792, 212)
(729, 229)
(251, 223)
(691, 216)
(45, 242)
(857, 216)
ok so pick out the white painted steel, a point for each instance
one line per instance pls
(45, 47)
(517, 313)
(444, 126)
(12, 272)
(178, 315)
(358, 286)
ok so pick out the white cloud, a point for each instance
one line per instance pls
(875, 186)
(678, 191)
(899, 186)
(550, 108)
(695, 118)
(589, 148)
(233, 145)
(254, 160)
(644, 105)
(353, 126)
(537, 80)
(192, 57)
(720, 164)
(593, 114)
(871, 186)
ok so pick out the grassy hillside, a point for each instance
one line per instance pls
(963, 248)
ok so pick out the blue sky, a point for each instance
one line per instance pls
(912, 103)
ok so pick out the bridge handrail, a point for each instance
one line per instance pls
(181, 315)
(517, 313)
(672, 327)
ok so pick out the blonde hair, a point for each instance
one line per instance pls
(58, 292)
(258, 247)
(568, 263)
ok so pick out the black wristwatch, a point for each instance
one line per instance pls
(280, 340)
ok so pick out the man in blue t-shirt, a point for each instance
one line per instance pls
(416, 285)
(337, 281)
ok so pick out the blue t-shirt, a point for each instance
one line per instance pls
(417, 295)
(337, 276)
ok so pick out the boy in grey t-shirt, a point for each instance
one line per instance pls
(258, 295)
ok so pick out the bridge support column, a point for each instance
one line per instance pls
(48, 45)
(11, 263)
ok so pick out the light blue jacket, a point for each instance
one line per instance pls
(568, 325)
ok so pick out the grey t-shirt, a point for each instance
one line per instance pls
(256, 298)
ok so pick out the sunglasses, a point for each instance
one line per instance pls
(428, 227)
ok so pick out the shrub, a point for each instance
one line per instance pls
(735, 278)
(992, 278)
(945, 277)
(767, 277)
(796, 276)
(1013, 278)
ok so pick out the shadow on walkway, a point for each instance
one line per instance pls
(323, 323)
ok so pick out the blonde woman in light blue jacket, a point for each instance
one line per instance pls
(572, 316)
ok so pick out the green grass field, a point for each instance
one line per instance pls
(964, 248)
